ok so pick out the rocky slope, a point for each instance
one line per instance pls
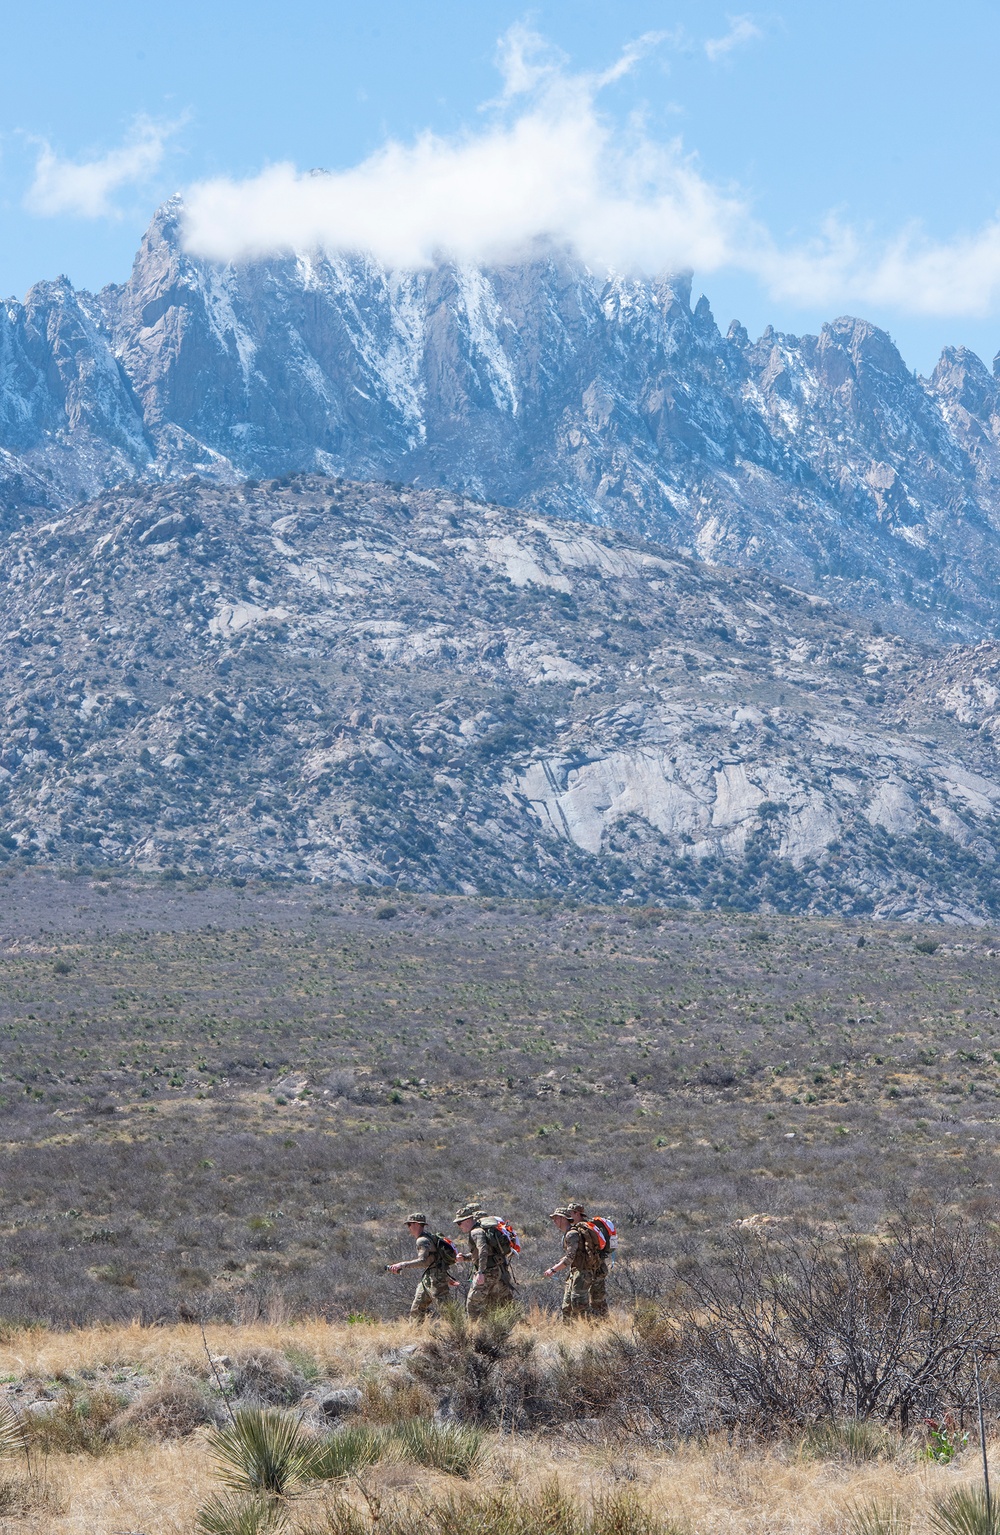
(337, 681)
(820, 459)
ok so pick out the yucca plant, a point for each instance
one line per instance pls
(966, 1511)
(12, 1436)
(241, 1516)
(456, 1451)
(345, 1451)
(263, 1451)
(854, 1439)
(501, 1511)
(623, 1513)
(879, 1516)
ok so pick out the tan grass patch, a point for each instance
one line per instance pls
(707, 1490)
(703, 1489)
(340, 1349)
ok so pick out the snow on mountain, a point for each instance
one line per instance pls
(318, 679)
(820, 459)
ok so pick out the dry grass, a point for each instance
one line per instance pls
(711, 1488)
(704, 1490)
(158, 1350)
(339, 1349)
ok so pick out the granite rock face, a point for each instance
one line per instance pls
(822, 460)
(315, 679)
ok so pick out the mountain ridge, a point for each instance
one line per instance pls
(822, 460)
(316, 679)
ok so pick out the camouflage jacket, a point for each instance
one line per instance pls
(433, 1253)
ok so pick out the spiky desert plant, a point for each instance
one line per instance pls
(263, 1451)
(346, 1451)
(12, 1436)
(229, 1515)
(854, 1439)
(966, 1511)
(879, 1516)
(452, 1449)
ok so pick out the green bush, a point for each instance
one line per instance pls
(344, 1452)
(456, 1451)
(78, 1421)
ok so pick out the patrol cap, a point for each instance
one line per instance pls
(466, 1213)
(566, 1211)
(575, 1204)
(416, 1219)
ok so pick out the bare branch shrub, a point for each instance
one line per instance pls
(784, 1333)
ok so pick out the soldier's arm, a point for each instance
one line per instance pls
(481, 1254)
(570, 1244)
(423, 1260)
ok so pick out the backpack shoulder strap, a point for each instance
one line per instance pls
(591, 1245)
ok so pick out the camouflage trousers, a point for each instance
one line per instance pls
(576, 1301)
(599, 1294)
(433, 1289)
(484, 1298)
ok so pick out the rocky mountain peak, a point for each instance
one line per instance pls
(961, 378)
(542, 385)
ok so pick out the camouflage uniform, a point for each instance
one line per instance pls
(576, 1291)
(435, 1259)
(434, 1285)
(491, 1259)
(598, 1276)
(599, 1290)
(580, 1260)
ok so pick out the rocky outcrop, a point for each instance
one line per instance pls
(320, 680)
(821, 459)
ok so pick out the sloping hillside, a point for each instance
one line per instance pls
(354, 682)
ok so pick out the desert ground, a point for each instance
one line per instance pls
(220, 1100)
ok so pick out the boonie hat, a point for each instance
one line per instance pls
(417, 1218)
(575, 1204)
(467, 1212)
(566, 1211)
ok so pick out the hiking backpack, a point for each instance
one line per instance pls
(508, 1231)
(445, 1251)
(606, 1228)
(504, 1231)
(593, 1245)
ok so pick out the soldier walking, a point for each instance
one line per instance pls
(489, 1251)
(598, 1276)
(435, 1255)
(581, 1252)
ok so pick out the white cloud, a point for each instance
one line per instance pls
(547, 166)
(742, 29)
(909, 272)
(86, 188)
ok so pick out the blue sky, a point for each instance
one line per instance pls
(807, 159)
